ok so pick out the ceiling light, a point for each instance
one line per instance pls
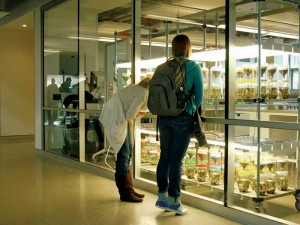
(244, 52)
(51, 50)
(24, 25)
(264, 32)
(102, 39)
(163, 44)
(215, 55)
(145, 64)
(176, 19)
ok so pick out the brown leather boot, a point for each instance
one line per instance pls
(132, 190)
(124, 188)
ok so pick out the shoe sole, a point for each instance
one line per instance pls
(161, 207)
(181, 213)
(177, 213)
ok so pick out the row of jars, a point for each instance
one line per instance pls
(268, 71)
(246, 82)
(268, 183)
(271, 87)
(150, 150)
(204, 163)
(215, 177)
(207, 164)
(273, 171)
(247, 161)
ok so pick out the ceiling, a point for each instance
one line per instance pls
(9, 5)
(14, 13)
(280, 17)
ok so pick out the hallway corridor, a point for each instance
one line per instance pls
(38, 190)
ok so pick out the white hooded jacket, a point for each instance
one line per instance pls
(119, 110)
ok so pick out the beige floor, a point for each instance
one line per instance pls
(36, 189)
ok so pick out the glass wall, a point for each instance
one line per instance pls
(264, 93)
(250, 64)
(203, 167)
(104, 44)
(61, 79)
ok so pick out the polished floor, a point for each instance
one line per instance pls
(39, 190)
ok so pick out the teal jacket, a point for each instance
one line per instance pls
(193, 81)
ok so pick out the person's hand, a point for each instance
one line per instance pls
(140, 115)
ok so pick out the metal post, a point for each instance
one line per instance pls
(116, 58)
(298, 101)
(217, 33)
(204, 36)
(167, 39)
(217, 37)
(150, 45)
(258, 203)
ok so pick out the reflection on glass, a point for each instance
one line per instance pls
(61, 137)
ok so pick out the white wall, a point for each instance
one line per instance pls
(16, 83)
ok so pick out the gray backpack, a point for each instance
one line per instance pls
(166, 90)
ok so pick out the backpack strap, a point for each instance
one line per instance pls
(182, 69)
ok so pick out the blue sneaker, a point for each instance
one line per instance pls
(174, 204)
(162, 200)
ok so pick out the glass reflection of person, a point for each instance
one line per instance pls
(52, 89)
(73, 99)
(65, 86)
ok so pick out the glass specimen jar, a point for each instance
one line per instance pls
(271, 183)
(282, 180)
(243, 183)
(216, 84)
(282, 163)
(201, 173)
(263, 88)
(215, 176)
(272, 89)
(202, 157)
(283, 89)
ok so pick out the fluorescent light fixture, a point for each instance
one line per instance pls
(282, 35)
(145, 64)
(209, 55)
(264, 32)
(125, 65)
(246, 147)
(239, 53)
(157, 44)
(51, 50)
(175, 19)
(163, 44)
(102, 39)
(212, 56)
(238, 28)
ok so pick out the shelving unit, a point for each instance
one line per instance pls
(192, 184)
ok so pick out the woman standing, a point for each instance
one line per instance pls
(118, 113)
(176, 132)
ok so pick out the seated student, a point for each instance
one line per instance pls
(65, 86)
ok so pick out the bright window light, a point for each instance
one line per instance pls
(102, 39)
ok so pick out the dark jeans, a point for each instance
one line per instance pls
(124, 155)
(175, 135)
